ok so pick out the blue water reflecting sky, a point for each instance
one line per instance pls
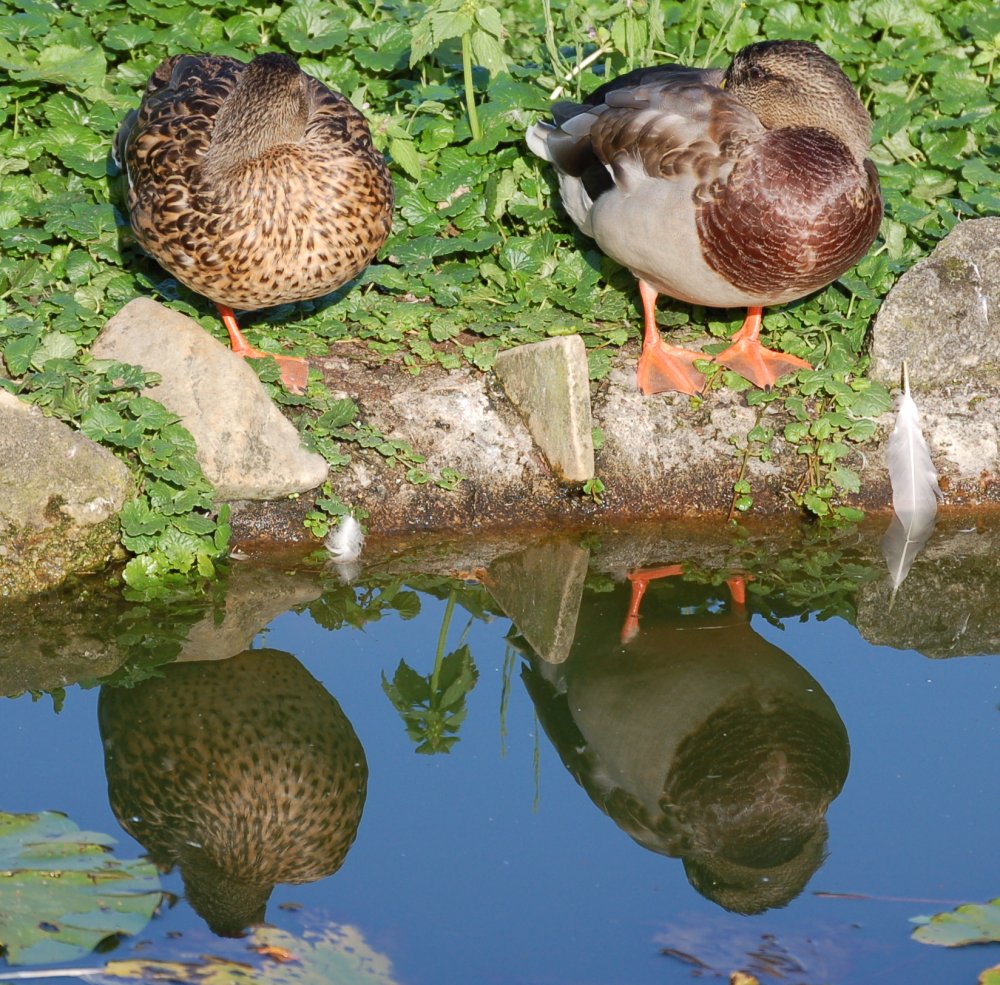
(486, 865)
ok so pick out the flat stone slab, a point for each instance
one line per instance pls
(549, 384)
(246, 447)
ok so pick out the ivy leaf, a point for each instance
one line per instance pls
(63, 64)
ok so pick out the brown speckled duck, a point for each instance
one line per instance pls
(749, 187)
(253, 185)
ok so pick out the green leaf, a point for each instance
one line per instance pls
(488, 52)
(488, 18)
(63, 892)
(64, 64)
(973, 923)
(17, 354)
(404, 153)
(331, 955)
(54, 345)
(100, 422)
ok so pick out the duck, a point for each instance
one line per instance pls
(253, 184)
(745, 187)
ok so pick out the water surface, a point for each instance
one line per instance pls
(735, 778)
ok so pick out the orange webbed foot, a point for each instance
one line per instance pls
(294, 370)
(762, 367)
(746, 356)
(664, 368)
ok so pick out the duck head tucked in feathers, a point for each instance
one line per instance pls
(748, 187)
(253, 184)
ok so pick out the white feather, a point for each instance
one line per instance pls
(915, 489)
(345, 542)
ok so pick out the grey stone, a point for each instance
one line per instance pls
(84, 630)
(246, 447)
(948, 604)
(61, 637)
(943, 315)
(60, 494)
(548, 382)
(540, 589)
(254, 596)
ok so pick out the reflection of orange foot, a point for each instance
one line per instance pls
(738, 589)
(640, 582)
(294, 371)
(746, 356)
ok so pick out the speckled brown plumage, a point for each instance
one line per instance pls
(253, 185)
(749, 187)
(242, 772)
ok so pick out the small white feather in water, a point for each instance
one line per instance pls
(345, 542)
(915, 489)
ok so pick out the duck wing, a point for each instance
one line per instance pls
(671, 122)
(178, 110)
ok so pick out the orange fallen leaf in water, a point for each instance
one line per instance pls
(279, 954)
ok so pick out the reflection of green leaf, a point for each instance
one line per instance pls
(974, 923)
(433, 707)
(61, 891)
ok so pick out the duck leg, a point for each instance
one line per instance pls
(664, 367)
(640, 582)
(294, 371)
(746, 356)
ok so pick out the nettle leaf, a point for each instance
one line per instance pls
(488, 52)
(488, 18)
(404, 153)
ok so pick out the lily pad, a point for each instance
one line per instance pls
(973, 923)
(335, 955)
(62, 892)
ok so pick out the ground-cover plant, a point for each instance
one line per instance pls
(480, 257)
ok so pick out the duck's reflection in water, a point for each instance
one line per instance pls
(699, 738)
(243, 772)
